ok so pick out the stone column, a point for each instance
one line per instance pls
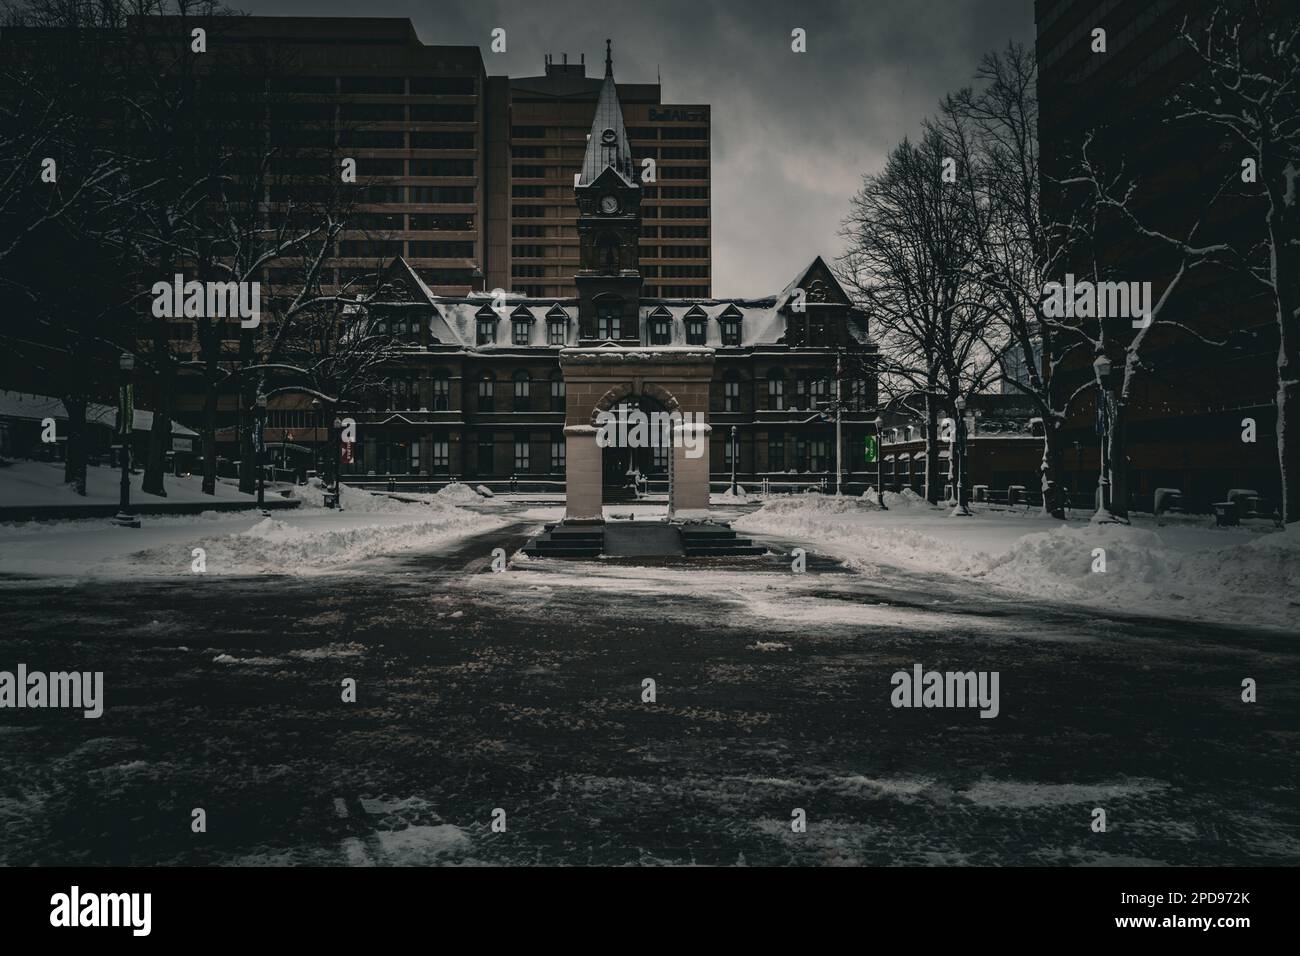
(582, 476)
(691, 469)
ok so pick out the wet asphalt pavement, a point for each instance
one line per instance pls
(522, 691)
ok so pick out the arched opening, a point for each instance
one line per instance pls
(641, 441)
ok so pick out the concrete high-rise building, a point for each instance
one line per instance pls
(472, 176)
(537, 130)
(1185, 415)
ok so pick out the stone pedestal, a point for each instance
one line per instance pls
(690, 491)
(582, 475)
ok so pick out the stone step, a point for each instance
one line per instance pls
(561, 552)
(727, 550)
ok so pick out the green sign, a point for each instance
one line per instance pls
(870, 446)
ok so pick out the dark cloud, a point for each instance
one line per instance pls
(792, 133)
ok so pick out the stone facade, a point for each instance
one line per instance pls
(497, 385)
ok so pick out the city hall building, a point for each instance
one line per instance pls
(508, 386)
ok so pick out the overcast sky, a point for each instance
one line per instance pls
(792, 133)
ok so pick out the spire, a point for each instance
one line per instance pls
(607, 145)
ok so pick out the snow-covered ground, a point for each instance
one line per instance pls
(308, 540)
(33, 483)
(1180, 568)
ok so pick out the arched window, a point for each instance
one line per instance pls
(522, 386)
(557, 391)
(486, 392)
(776, 390)
(441, 390)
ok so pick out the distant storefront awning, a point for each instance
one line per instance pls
(32, 407)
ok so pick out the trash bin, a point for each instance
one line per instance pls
(1226, 514)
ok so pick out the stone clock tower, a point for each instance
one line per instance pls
(609, 227)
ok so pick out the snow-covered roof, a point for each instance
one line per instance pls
(763, 321)
(29, 406)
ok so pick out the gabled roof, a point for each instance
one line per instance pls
(816, 272)
(695, 312)
(660, 312)
(486, 312)
(556, 313)
(400, 272)
(730, 312)
(607, 146)
(522, 314)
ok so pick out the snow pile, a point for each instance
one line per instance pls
(1177, 571)
(485, 491)
(284, 547)
(837, 525)
(1252, 581)
(30, 483)
(726, 497)
(354, 499)
(896, 500)
(457, 494)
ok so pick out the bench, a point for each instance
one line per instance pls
(1244, 504)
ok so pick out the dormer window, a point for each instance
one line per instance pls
(486, 326)
(521, 321)
(729, 325)
(557, 325)
(697, 325)
(661, 326)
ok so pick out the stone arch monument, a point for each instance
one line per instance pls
(597, 379)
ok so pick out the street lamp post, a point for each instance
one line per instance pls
(880, 463)
(259, 451)
(734, 454)
(338, 463)
(1105, 513)
(125, 518)
(315, 425)
(839, 441)
(959, 461)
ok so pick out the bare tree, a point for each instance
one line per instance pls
(65, 193)
(1248, 90)
(992, 130)
(908, 260)
(1111, 198)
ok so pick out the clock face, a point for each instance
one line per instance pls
(609, 205)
